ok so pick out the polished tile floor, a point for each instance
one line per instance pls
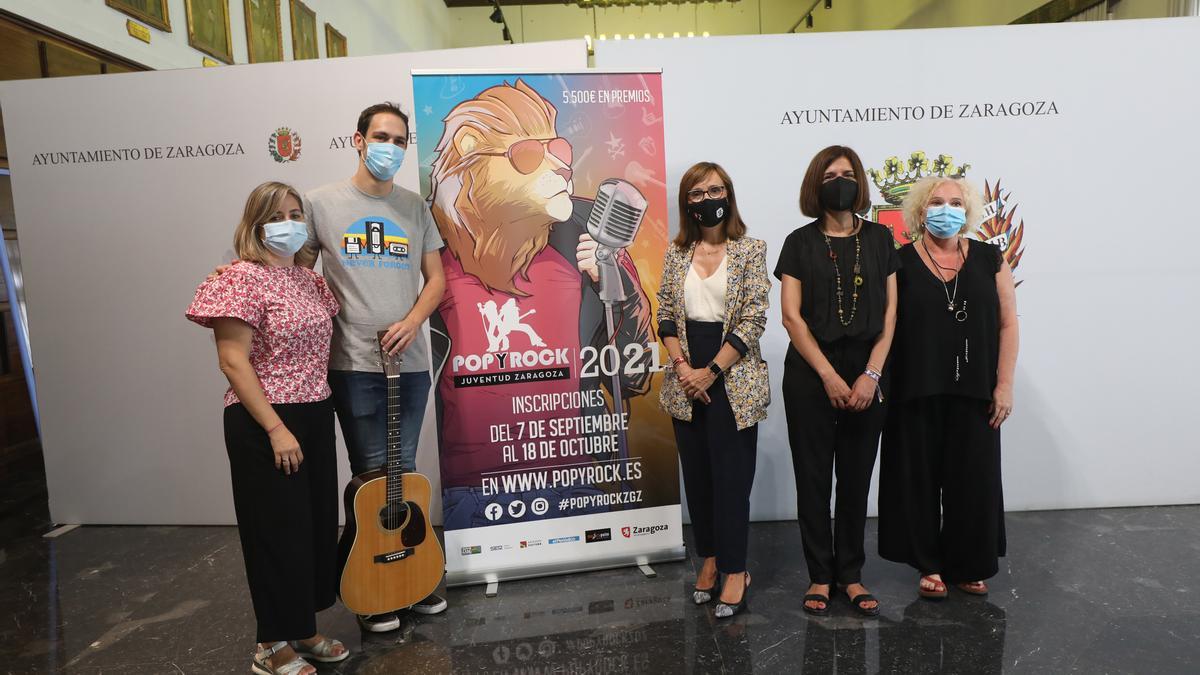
(1107, 591)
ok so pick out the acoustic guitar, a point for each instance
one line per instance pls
(389, 557)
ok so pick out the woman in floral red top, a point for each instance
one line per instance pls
(272, 318)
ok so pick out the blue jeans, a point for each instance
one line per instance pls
(360, 400)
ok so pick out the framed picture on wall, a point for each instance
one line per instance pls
(153, 12)
(335, 42)
(208, 28)
(264, 31)
(304, 31)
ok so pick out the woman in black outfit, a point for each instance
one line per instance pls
(839, 309)
(941, 503)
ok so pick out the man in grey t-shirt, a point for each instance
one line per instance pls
(380, 256)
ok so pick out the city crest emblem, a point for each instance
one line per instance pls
(284, 145)
(997, 225)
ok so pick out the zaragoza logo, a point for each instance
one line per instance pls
(897, 178)
(284, 145)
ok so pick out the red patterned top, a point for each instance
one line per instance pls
(291, 311)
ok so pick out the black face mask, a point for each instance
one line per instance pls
(710, 212)
(839, 194)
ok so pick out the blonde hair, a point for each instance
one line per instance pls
(917, 200)
(262, 203)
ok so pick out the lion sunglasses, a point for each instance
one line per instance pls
(527, 155)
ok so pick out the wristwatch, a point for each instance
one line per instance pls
(716, 370)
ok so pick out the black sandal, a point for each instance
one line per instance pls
(814, 610)
(858, 600)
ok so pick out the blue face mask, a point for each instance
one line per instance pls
(285, 238)
(383, 160)
(945, 221)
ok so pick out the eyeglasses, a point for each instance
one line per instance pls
(714, 192)
(527, 155)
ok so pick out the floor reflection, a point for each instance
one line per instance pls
(173, 600)
(964, 635)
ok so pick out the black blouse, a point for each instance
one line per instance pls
(935, 353)
(805, 256)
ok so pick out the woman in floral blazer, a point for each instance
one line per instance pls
(712, 308)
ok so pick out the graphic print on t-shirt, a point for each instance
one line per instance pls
(375, 242)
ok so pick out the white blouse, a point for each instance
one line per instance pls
(704, 299)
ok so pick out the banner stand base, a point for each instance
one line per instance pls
(492, 578)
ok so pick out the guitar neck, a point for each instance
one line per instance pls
(395, 472)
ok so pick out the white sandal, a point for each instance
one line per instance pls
(262, 666)
(322, 651)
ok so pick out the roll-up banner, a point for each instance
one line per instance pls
(548, 191)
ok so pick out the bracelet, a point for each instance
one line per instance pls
(677, 360)
(875, 375)
(272, 429)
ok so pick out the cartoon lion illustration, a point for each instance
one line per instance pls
(493, 216)
(516, 237)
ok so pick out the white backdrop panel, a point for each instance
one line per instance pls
(1105, 390)
(129, 391)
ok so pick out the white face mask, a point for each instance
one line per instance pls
(285, 238)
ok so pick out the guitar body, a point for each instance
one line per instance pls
(389, 556)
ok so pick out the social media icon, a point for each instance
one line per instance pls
(539, 506)
(493, 511)
(516, 508)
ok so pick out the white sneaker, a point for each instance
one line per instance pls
(379, 623)
(434, 604)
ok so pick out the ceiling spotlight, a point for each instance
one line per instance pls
(676, 34)
(603, 36)
(507, 36)
(691, 34)
(497, 16)
(704, 34)
(808, 21)
(828, 4)
(660, 36)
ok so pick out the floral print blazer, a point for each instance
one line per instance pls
(746, 300)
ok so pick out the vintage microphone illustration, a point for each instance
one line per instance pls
(613, 223)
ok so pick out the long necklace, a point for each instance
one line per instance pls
(960, 314)
(858, 280)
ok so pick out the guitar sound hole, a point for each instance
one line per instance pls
(393, 516)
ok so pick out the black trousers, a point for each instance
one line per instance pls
(826, 442)
(287, 524)
(941, 502)
(718, 463)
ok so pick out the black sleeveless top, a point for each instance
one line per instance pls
(805, 256)
(935, 353)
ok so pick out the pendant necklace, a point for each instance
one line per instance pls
(960, 314)
(858, 280)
